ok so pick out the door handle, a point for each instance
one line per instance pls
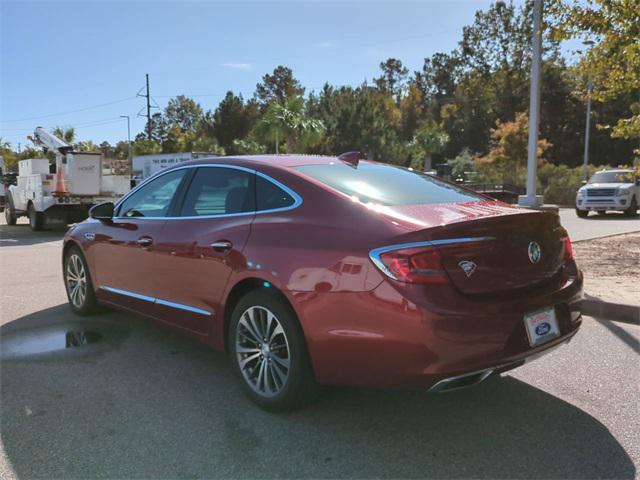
(145, 241)
(221, 246)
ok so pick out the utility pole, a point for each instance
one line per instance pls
(531, 199)
(148, 95)
(587, 128)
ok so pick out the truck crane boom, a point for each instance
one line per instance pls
(50, 141)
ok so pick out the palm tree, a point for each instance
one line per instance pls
(66, 134)
(289, 121)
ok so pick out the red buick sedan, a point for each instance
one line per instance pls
(316, 270)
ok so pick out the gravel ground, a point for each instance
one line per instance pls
(611, 267)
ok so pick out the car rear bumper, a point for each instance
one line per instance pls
(382, 339)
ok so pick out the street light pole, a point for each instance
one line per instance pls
(129, 143)
(587, 128)
(531, 199)
(585, 169)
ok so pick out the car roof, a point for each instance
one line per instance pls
(616, 170)
(282, 161)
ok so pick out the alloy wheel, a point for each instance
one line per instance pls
(262, 351)
(76, 280)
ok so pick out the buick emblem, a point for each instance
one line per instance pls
(535, 252)
(468, 267)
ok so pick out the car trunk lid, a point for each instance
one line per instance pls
(497, 251)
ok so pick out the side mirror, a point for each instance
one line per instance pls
(102, 211)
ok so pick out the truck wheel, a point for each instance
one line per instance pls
(36, 219)
(582, 213)
(10, 212)
(633, 208)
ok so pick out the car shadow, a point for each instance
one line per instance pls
(153, 404)
(21, 234)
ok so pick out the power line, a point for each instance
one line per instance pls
(67, 112)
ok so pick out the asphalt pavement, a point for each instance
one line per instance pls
(145, 402)
(596, 226)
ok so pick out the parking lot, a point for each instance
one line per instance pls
(144, 402)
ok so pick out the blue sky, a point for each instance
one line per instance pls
(61, 56)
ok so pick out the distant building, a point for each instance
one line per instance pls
(146, 165)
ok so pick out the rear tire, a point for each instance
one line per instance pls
(633, 208)
(10, 212)
(582, 213)
(269, 353)
(78, 284)
(36, 219)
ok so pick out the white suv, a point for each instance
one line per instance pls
(609, 190)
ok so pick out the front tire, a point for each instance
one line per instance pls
(77, 281)
(582, 213)
(633, 208)
(36, 219)
(269, 353)
(10, 212)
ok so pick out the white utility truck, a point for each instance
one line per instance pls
(615, 189)
(66, 195)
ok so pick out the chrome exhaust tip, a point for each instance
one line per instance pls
(461, 381)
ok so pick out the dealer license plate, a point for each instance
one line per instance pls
(541, 326)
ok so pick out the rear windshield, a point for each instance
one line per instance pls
(386, 184)
(612, 177)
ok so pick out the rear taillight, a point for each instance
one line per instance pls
(568, 249)
(412, 265)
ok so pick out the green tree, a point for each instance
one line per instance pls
(66, 134)
(184, 113)
(393, 78)
(233, 120)
(290, 123)
(614, 61)
(278, 87)
(430, 138)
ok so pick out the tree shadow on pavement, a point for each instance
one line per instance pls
(154, 404)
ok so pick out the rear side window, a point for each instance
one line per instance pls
(270, 196)
(219, 191)
(386, 184)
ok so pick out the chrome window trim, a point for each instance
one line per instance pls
(296, 203)
(157, 301)
(374, 254)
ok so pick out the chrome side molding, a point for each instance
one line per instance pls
(158, 301)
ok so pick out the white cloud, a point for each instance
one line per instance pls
(237, 66)
(324, 44)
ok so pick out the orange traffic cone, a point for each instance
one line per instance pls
(60, 184)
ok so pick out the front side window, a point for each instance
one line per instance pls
(153, 199)
(219, 191)
(386, 185)
(270, 196)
